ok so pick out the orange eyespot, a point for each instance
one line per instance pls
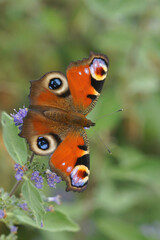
(98, 69)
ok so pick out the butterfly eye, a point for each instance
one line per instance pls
(55, 83)
(45, 145)
(98, 69)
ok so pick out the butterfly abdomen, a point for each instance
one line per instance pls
(68, 118)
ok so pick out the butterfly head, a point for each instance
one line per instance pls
(89, 124)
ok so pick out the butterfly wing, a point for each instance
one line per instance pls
(86, 79)
(51, 91)
(78, 92)
(71, 161)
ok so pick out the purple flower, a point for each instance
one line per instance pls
(38, 185)
(41, 224)
(2, 214)
(23, 206)
(18, 116)
(35, 175)
(56, 199)
(50, 208)
(16, 166)
(19, 171)
(38, 179)
(52, 178)
(13, 229)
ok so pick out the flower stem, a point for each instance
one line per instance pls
(31, 158)
(15, 188)
(19, 182)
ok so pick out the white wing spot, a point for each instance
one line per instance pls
(63, 163)
(69, 169)
(86, 70)
(80, 73)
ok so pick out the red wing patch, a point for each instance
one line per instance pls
(71, 162)
(79, 79)
(86, 79)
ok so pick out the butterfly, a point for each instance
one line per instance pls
(56, 120)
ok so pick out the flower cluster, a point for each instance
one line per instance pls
(18, 116)
(19, 171)
(38, 179)
(52, 178)
(23, 206)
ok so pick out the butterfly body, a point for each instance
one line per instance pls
(56, 120)
(68, 118)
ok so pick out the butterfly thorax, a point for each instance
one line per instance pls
(68, 118)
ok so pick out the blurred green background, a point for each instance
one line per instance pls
(122, 201)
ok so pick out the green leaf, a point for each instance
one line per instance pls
(53, 221)
(9, 237)
(117, 229)
(16, 146)
(22, 218)
(58, 221)
(34, 200)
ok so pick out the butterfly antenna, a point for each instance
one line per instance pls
(119, 110)
(109, 151)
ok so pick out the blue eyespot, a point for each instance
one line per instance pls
(55, 83)
(42, 143)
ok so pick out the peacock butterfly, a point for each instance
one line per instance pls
(56, 121)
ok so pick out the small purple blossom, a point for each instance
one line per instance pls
(18, 116)
(19, 171)
(50, 208)
(23, 206)
(52, 178)
(41, 224)
(19, 175)
(13, 229)
(38, 185)
(56, 199)
(38, 179)
(2, 214)
(16, 166)
(35, 175)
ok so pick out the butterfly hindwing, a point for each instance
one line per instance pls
(43, 134)
(71, 161)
